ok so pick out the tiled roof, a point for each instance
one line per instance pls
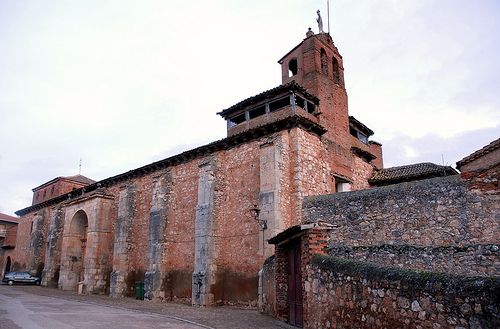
(77, 178)
(80, 179)
(479, 153)
(411, 172)
(291, 86)
(7, 218)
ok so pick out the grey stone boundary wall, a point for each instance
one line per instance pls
(442, 211)
(344, 293)
(267, 287)
(480, 259)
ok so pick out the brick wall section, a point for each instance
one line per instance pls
(484, 181)
(281, 286)
(61, 186)
(434, 212)
(178, 257)
(484, 161)
(361, 172)
(477, 259)
(350, 294)
(21, 254)
(376, 150)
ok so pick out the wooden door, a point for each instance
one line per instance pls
(295, 309)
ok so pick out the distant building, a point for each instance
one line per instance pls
(59, 186)
(8, 234)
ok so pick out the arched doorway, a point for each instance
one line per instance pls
(75, 247)
(7, 265)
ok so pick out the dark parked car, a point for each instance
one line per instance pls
(20, 277)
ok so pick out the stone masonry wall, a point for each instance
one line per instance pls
(37, 241)
(433, 212)
(122, 240)
(480, 259)
(160, 201)
(353, 294)
(50, 276)
(267, 287)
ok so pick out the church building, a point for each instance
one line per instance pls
(195, 226)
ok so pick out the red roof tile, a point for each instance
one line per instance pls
(411, 172)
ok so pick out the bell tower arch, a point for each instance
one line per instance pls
(317, 65)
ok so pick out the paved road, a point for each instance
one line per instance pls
(19, 309)
(32, 307)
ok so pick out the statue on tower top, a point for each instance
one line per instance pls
(320, 22)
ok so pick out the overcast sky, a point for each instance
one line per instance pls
(121, 83)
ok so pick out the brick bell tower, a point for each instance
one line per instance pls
(316, 64)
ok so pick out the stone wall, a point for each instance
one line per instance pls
(434, 212)
(267, 287)
(50, 276)
(480, 259)
(353, 294)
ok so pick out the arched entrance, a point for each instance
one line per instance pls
(76, 245)
(7, 265)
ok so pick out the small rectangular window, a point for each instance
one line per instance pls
(279, 104)
(359, 135)
(311, 108)
(300, 102)
(362, 137)
(236, 120)
(343, 187)
(257, 112)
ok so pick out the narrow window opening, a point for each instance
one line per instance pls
(237, 120)
(300, 102)
(324, 62)
(362, 137)
(292, 67)
(311, 108)
(359, 135)
(279, 104)
(257, 112)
